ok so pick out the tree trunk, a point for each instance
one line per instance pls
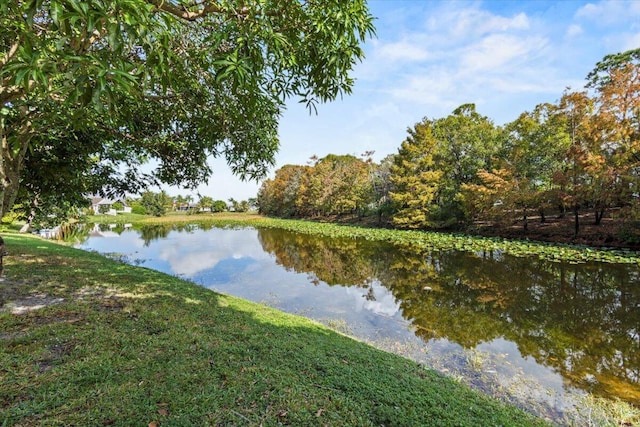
(543, 219)
(599, 215)
(13, 146)
(576, 210)
(32, 215)
(561, 208)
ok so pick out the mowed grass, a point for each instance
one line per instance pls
(88, 341)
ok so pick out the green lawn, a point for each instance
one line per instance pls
(118, 345)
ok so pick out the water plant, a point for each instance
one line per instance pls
(450, 241)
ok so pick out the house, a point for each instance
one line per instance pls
(101, 205)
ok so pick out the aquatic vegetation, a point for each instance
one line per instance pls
(437, 241)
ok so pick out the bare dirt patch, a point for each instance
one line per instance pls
(30, 303)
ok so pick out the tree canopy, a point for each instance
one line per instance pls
(106, 86)
(580, 154)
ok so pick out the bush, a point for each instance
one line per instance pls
(138, 209)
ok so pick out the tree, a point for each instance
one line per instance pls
(279, 196)
(415, 179)
(466, 143)
(438, 157)
(219, 206)
(239, 205)
(534, 147)
(155, 203)
(616, 125)
(381, 187)
(338, 185)
(171, 81)
(205, 202)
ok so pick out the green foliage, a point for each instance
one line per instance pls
(138, 209)
(579, 154)
(439, 241)
(239, 205)
(155, 203)
(415, 178)
(105, 76)
(103, 209)
(600, 76)
(219, 206)
(205, 202)
(117, 206)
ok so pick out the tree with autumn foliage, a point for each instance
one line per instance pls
(467, 142)
(334, 185)
(616, 124)
(433, 164)
(415, 179)
(280, 195)
(532, 150)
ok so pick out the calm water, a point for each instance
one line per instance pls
(532, 332)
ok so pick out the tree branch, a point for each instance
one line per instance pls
(12, 51)
(183, 12)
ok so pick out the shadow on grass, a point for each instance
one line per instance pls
(130, 346)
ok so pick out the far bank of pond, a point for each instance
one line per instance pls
(535, 324)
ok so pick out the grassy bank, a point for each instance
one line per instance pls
(89, 341)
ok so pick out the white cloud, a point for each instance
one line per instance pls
(426, 87)
(574, 30)
(472, 22)
(402, 50)
(192, 253)
(497, 51)
(384, 304)
(609, 12)
(632, 41)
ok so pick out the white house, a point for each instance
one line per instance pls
(97, 204)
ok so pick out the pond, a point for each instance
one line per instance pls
(535, 333)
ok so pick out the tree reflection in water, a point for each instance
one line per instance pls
(582, 321)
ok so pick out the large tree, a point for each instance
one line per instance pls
(467, 143)
(617, 129)
(171, 81)
(415, 178)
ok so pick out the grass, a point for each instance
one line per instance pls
(113, 344)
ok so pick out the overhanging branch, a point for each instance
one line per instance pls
(183, 12)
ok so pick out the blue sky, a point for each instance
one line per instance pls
(429, 57)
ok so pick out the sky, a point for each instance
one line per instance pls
(429, 57)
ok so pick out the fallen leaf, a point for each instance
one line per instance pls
(320, 411)
(282, 413)
(163, 412)
(153, 424)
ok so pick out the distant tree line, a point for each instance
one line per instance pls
(158, 204)
(577, 155)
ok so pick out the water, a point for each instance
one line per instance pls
(534, 333)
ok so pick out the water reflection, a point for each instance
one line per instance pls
(567, 326)
(580, 320)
